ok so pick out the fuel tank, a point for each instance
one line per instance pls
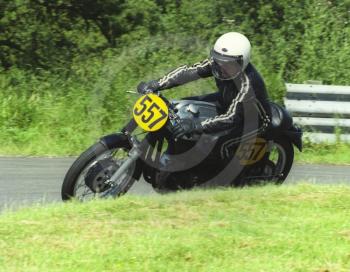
(197, 110)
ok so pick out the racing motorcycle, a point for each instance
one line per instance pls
(146, 148)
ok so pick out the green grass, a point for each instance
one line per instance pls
(51, 114)
(288, 228)
(325, 154)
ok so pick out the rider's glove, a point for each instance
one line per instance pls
(148, 87)
(187, 127)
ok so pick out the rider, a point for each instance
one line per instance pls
(237, 80)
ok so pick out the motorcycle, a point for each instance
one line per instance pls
(111, 166)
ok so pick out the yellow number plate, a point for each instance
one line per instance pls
(251, 152)
(150, 112)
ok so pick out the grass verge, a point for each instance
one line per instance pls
(288, 228)
(338, 153)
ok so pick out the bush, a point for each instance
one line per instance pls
(69, 63)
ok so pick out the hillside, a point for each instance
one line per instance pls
(65, 65)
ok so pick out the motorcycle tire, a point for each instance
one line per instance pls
(275, 170)
(81, 163)
(287, 147)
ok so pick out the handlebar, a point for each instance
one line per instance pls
(167, 102)
(172, 111)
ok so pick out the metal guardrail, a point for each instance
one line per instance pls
(320, 110)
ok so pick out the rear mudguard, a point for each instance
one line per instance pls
(295, 135)
(121, 140)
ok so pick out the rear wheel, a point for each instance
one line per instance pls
(89, 175)
(280, 160)
(275, 166)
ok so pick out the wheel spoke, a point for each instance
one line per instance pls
(87, 192)
(80, 185)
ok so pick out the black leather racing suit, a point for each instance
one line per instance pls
(233, 95)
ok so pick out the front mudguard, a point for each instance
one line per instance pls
(116, 140)
(122, 140)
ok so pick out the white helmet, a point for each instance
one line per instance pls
(230, 55)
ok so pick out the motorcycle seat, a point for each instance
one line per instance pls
(280, 117)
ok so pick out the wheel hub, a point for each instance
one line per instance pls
(269, 168)
(98, 175)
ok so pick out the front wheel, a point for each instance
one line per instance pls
(89, 175)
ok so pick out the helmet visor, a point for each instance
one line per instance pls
(226, 67)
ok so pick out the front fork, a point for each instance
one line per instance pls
(138, 150)
(134, 154)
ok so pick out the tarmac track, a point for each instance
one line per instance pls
(25, 181)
